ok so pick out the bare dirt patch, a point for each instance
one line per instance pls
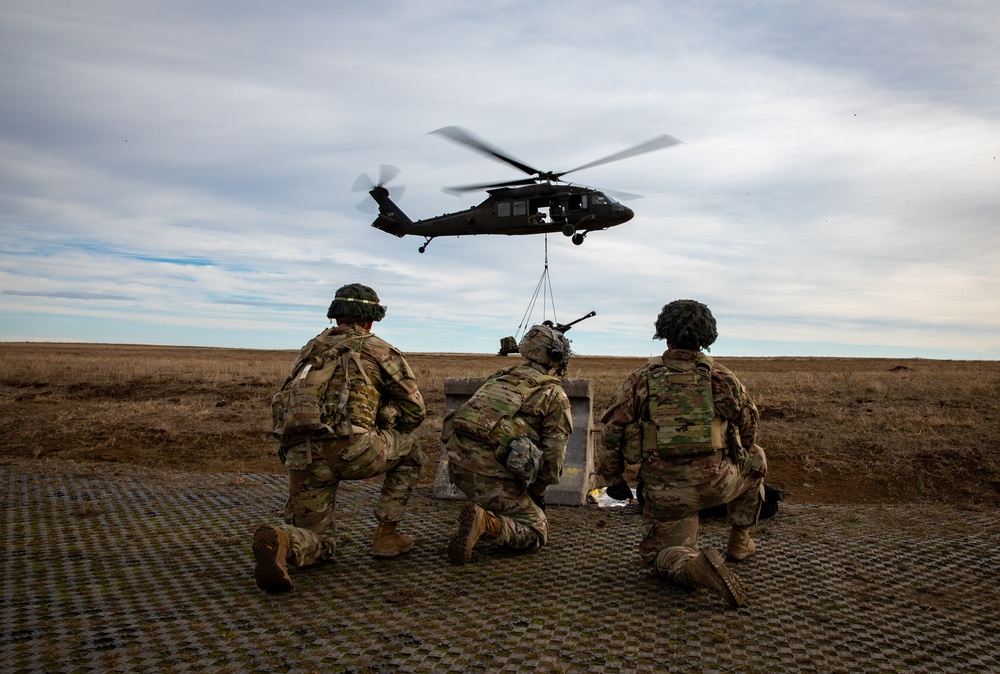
(836, 430)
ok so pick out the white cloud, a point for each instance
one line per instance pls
(836, 185)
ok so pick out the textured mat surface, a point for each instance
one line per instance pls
(111, 568)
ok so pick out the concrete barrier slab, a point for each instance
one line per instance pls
(578, 469)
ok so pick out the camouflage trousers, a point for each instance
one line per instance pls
(522, 523)
(675, 491)
(316, 469)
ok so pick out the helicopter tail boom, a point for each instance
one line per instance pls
(390, 218)
(389, 226)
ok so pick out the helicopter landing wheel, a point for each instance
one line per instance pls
(568, 230)
(422, 248)
(578, 238)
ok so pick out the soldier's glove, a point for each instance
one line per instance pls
(537, 494)
(619, 491)
(387, 416)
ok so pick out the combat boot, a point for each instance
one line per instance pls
(270, 548)
(708, 570)
(473, 523)
(740, 545)
(389, 542)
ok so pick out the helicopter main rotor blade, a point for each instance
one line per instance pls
(658, 143)
(459, 189)
(463, 137)
(621, 196)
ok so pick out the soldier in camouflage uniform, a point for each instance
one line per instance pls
(369, 410)
(692, 426)
(507, 444)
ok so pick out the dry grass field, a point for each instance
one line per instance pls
(836, 430)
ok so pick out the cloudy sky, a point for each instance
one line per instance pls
(180, 172)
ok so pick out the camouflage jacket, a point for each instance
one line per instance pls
(630, 403)
(547, 412)
(398, 402)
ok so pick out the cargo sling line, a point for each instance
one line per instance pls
(543, 288)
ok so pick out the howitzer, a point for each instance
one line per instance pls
(508, 345)
(563, 327)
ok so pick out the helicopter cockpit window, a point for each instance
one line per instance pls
(577, 201)
(600, 199)
(503, 209)
(520, 208)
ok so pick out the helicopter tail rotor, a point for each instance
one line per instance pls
(365, 183)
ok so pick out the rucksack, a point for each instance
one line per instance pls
(305, 404)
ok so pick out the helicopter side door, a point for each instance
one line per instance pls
(514, 215)
(576, 207)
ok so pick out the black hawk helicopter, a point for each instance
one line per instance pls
(539, 204)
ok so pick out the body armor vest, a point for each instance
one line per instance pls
(490, 415)
(329, 393)
(681, 409)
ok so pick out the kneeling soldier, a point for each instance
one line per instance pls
(507, 444)
(347, 412)
(691, 424)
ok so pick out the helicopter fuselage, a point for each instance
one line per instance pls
(528, 209)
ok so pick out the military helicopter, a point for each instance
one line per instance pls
(539, 204)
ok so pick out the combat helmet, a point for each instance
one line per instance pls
(355, 303)
(546, 345)
(686, 324)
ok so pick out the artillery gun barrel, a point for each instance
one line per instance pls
(563, 327)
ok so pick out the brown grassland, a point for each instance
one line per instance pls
(836, 430)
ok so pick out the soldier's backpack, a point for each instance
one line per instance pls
(305, 405)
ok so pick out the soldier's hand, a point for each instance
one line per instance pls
(539, 500)
(387, 416)
(619, 491)
(537, 494)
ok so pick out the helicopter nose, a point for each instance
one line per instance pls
(624, 213)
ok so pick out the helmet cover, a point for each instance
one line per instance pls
(545, 345)
(686, 324)
(355, 303)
